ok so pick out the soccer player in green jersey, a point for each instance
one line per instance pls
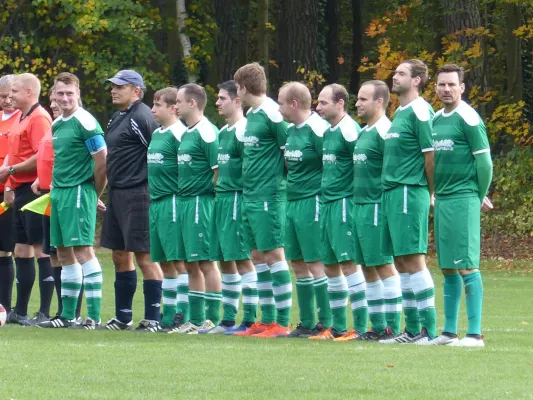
(383, 290)
(197, 176)
(228, 243)
(345, 278)
(264, 185)
(78, 180)
(162, 159)
(463, 172)
(407, 180)
(303, 155)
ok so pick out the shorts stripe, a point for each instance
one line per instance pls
(344, 210)
(317, 208)
(376, 211)
(196, 211)
(266, 205)
(235, 206)
(78, 197)
(173, 208)
(405, 199)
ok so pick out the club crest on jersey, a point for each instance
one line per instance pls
(251, 141)
(443, 145)
(293, 155)
(184, 158)
(329, 158)
(155, 158)
(359, 158)
(223, 158)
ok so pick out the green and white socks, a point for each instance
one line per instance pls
(250, 297)
(282, 289)
(306, 301)
(320, 286)
(197, 307)
(357, 291)
(213, 301)
(231, 293)
(392, 295)
(71, 281)
(424, 291)
(92, 282)
(376, 306)
(266, 295)
(338, 301)
(170, 296)
(410, 308)
(182, 300)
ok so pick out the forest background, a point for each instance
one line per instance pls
(172, 42)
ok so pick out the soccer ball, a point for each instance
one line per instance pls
(3, 315)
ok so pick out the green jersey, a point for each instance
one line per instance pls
(303, 154)
(197, 158)
(337, 159)
(230, 149)
(368, 162)
(75, 140)
(163, 160)
(409, 136)
(263, 166)
(457, 137)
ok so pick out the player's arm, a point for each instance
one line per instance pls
(484, 173)
(210, 148)
(429, 165)
(476, 136)
(98, 150)
(423, 128)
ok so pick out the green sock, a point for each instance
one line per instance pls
(306, 302)
(92, 283)
(453, 288)
(392, 293)
(213, 300)
(338, 300)
(231, 292)
(266, 295)
(410, 309)
(282, 289)
(474, 301)
(197, 307)
(320, 286)
(249, 297)
(376, 306)
(182, 300)
(170, 296)
(424, 290)
(71, 281)
(357, 290)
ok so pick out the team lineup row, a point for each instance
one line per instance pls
(348, 207)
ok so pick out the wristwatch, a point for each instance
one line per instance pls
(12, 170)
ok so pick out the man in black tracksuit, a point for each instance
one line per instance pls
(126, 225)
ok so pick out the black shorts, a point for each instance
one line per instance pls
(126, 221)
(28, 225)
(7, 237)
(47, 249)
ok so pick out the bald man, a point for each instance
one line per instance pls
(303, 155)
(18, 173)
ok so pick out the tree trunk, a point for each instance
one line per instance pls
(244, 15)
(465, 14)
(357, 45)
(181, 9)
(262, 33)
(297, 35)
(514, 53)
(333, 38)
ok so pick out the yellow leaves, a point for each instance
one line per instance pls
(27, 49)
(452, 47)
(475, 51)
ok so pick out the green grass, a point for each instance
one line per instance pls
(64, 364)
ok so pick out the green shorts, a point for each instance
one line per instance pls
(195, 216)
(457, 231)
(227, 239)
(73, 215)
(302, 231)
(368, 229)
(264, 224)
(336, 232)
(405, 220)
(164, 230)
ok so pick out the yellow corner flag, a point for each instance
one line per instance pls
(3, 207)
(40, 205)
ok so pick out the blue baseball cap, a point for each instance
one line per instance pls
(127, 76)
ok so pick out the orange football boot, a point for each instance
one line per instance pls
(276, 331)
(256, 328)
(352, 335)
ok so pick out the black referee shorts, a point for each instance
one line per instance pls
(7, 236)
(28, 225)
(126, 221)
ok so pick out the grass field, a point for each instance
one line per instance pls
(65, 364)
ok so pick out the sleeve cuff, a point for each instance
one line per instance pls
(428, 149)
(481, 151)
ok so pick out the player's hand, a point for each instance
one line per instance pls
(35, 187)
(432, 201)
(4, 173)
(486, 205)
(9, 198)
(101, 206)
